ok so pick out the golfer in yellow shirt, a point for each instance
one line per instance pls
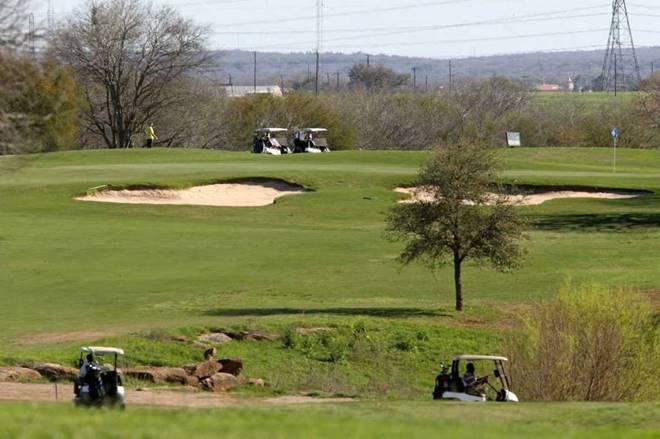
(151, 135)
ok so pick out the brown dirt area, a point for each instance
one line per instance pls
(62, 337)
(161, 398)
(244, 194)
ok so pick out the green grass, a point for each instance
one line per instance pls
(142, 273)
(69, 265)
(354, 420)
(314, 259)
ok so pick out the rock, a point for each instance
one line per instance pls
(142, 374)
(250, 335)
(13, 374)
(214, 338)
(256, 382)
(209, 354)
(159, 375)
(173, 375)
(223, 381)
(55, 372)
(308, 331)
(206, 384)
(190, 368)
(231, 366)
(207, 369)
(192, 380)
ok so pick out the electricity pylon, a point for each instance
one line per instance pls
(620, 66)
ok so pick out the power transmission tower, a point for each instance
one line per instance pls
(620, 66)
(319, 41)
(50, 17)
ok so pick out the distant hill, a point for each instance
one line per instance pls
(555, 67)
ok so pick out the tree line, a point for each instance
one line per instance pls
(115, 66)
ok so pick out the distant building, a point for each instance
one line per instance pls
(239, 91)
(548, 87)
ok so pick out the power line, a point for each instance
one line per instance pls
(472, 40)
(348, 13)
(491, 22)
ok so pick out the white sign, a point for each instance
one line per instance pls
(615, 133)
(513, 139)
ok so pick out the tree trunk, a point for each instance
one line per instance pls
(457, 282)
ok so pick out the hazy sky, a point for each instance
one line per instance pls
(444, 28)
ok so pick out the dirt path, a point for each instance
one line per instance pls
(164, 398)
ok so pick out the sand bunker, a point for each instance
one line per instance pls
(420, 194)
(243, 194)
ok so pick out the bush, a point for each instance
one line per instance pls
(590, 344)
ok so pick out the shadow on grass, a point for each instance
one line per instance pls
(370, 312)
(621, 222)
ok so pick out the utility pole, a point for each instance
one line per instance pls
(31, 33)
(328, 79)
(368, 60)
(255, 71)
(319, 41)
(426, 82)
(316, 81)
(50, 16)
(620, 54)
(414, 70)
(451, 77)
(337, 81)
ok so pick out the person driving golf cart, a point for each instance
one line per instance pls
(451, 385)
(472, 384)
(97, 385)
(271, 141)
(310, 140)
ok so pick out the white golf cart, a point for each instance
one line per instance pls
(101, 384)
(495, 387)
(310, 140)
(273, 141)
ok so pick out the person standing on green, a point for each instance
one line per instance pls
(151, 135)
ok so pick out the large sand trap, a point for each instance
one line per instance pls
(243, 194)
(420, 194)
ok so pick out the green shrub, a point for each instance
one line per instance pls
(404, 342)
(290, 338)
(590, 344)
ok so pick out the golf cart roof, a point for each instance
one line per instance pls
(96, 350)
(313, 130)
(272, 130)
(479, 358)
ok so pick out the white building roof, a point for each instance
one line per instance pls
(238, 91)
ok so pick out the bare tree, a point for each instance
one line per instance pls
(127, 54)
(14, 16)
(13, 33)
(480, 107)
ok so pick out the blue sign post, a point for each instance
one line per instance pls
(615, 138)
